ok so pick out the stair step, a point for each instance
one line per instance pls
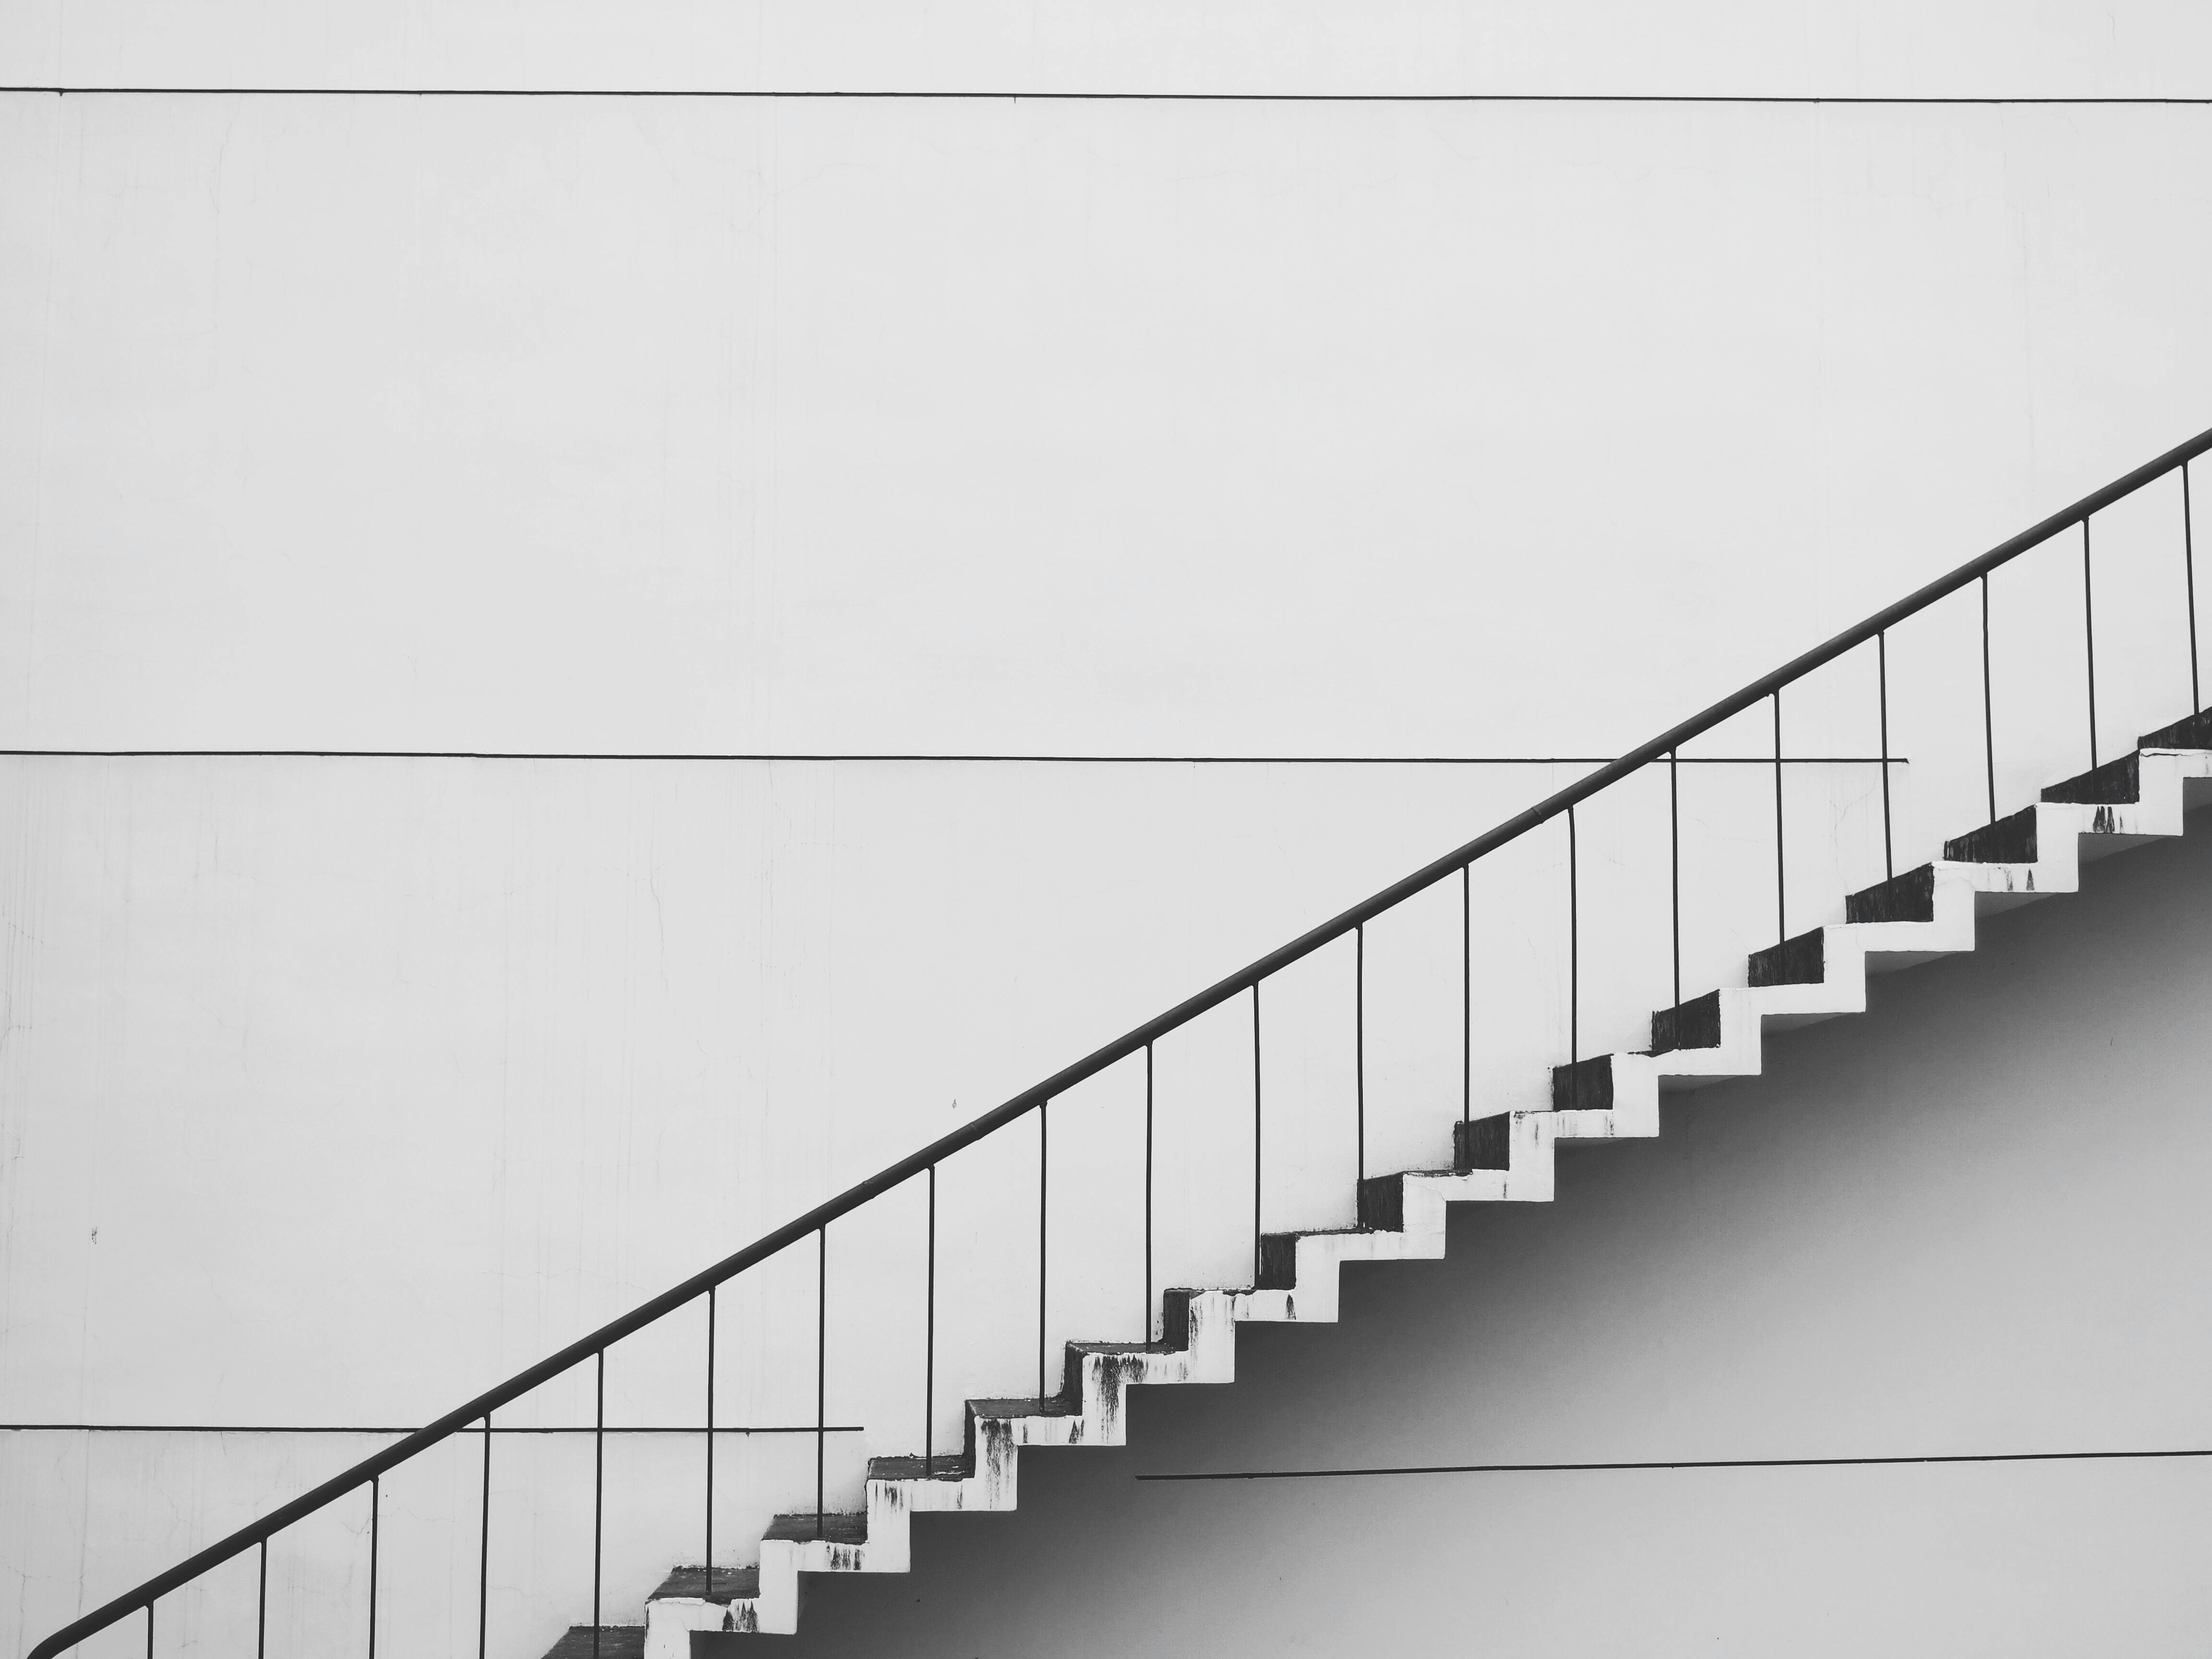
(616, 1642)
(1800, 961)
(2009, 841)
(1383, 1204)
(835, 1526)
(1907, 898)
(941, 1467)
(1057, 1406)
(1585, 1086)
(695, 1583)
(1174, 1318)
(1279, 1255)
(1485, 1144)
(2195, 732)
(1692, 1025)
(2116, 783)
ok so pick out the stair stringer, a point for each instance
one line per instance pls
(1091, 1410)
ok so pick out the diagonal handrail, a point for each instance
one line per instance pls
(1122, 1047)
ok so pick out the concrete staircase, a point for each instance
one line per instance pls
(1915, 917)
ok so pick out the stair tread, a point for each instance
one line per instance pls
(1908, 895)
(616, 1642)
(1695, 1023)
(1801, 959)
(2116, 783)
(1055, 1406)
(942, 1466)
(835, 1526)
(729, 1584)
(2009, 840)
(2193, 732)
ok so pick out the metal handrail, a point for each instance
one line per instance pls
(1122, 1047)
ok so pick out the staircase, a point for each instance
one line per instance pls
(1914, 917)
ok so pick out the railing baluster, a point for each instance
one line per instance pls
(2089, 641)
(1044, 1247)
(1466, 997)
(821, 1366)
(1674, 863)
(706, 1556)
(1780, 884)
(483, 1549)
(1148, 1192)
(149, 1630)
(929, 1338)
(598, 1485)
(1574, 957)
(2189, 573)
(1881, 682)
(1255, 1133)
(1989, 707)
(375, 1520)
(261, 1606)
(1359, 1052)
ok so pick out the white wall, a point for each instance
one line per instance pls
(939, 427)
(1036, 427)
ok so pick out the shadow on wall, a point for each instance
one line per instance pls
(1970, 1223)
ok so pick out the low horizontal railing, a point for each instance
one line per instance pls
(1247, 980)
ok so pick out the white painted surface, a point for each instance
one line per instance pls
(1832, 48)
(948, 427)
(939, 427)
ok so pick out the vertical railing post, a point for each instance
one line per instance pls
(1359, 1053)
(1674, 866)
(1881, 683)
(483, 1549)
(149, 1630)
(1781, 880)
(2189, 575)
(929, 1339)
(707, 1559)
(1988, 706)
(821, 1368)
(598, 1485)
(1466, 998)
(2089, 642)
(261, 1608)
(1044, 1188)
(1148, 1192)
(1574, 958)
(375, 1522)
(1255, 1133)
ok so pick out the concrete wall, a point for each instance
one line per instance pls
(948, 426)
(334, 1089)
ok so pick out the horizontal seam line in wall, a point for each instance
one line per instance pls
(1684, 1464)
(1055, 760)
(474, 1428)
(2063, 100)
